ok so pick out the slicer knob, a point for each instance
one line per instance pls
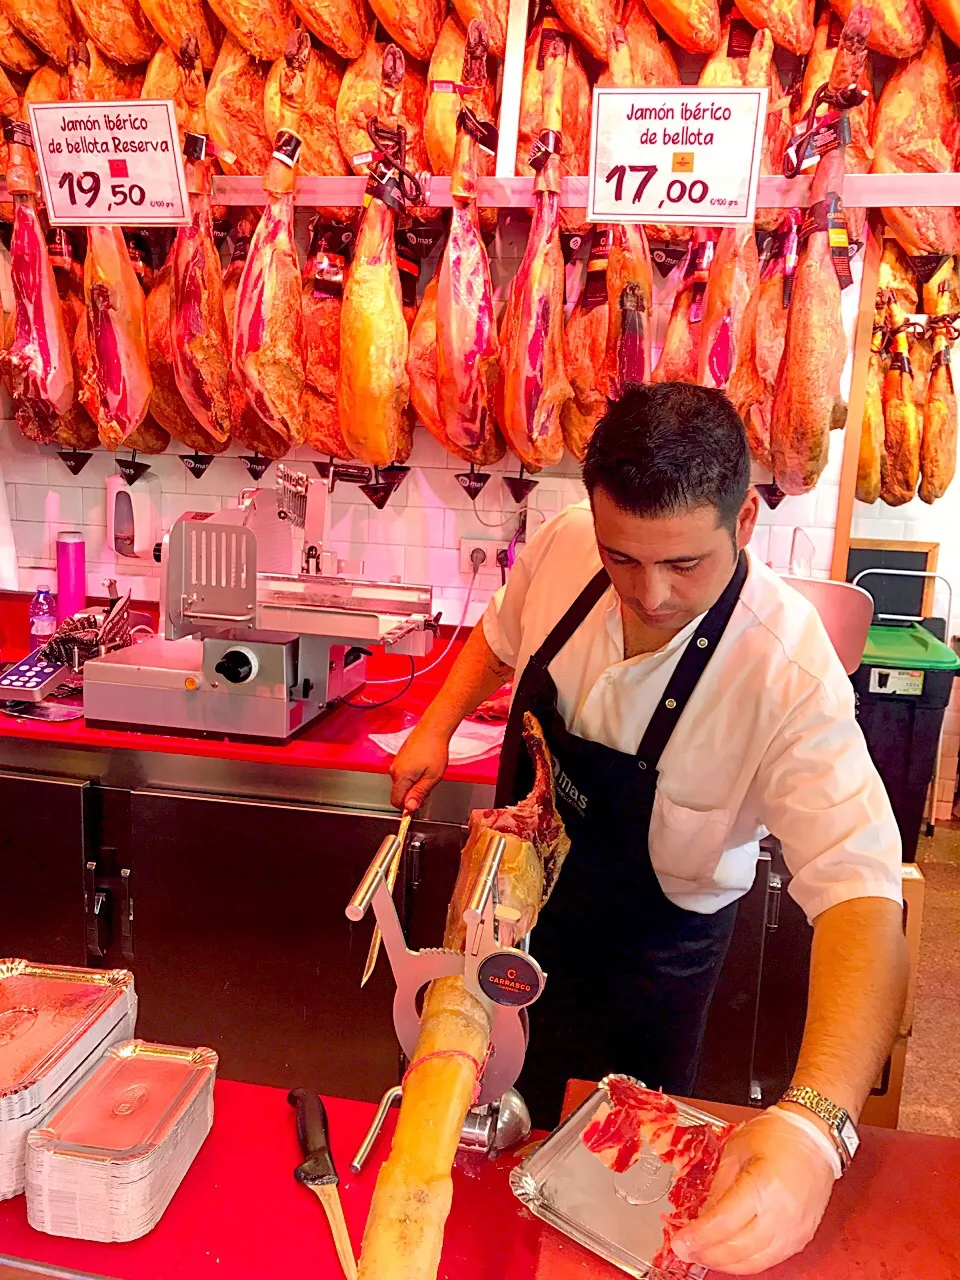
(237, 666)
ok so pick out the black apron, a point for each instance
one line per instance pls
(630, 975)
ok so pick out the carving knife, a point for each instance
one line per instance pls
(319, 1173)
(394, 868)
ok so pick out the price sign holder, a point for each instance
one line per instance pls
(104, 163)
(677, 156)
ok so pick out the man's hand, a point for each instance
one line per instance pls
(766, 1202)
(417, 767)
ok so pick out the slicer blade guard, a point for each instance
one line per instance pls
(211, 574)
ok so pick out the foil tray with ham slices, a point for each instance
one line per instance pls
(623, 1173)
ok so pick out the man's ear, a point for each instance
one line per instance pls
(747, 518)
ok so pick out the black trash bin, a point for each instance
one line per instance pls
(903, 687)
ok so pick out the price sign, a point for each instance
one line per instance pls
(676, 155)
(110, 162)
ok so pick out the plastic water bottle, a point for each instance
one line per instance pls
(43, 617)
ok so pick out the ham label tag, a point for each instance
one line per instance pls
(110, 162)
(676, 156)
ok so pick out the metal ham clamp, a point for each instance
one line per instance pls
(504, 979)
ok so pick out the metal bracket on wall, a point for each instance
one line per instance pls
(774, 892)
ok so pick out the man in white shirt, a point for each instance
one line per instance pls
(692, 702)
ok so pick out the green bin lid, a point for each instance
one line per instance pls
(913, 647)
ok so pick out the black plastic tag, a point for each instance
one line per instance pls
(196, 463)
(551, 33)
(791, 255)
(472, 483)
(417, 241)
(256, 464)
(131, 469)
(666, 257)
(387, 189)
(286, 147)
(952, 55)
(221, 231)
(740, 38)
(194, 146)
(547, 145)
(17, 131)
(484, 131)
(74, 459)
(241, 249)
(900, 363)
(926, 265)
(59, 247)
(595, 289)
(941, 359)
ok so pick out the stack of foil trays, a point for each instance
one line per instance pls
(55, 1023)
(107, 1162)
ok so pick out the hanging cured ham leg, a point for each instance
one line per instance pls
(467, 346)
(268, 326)
(680, 355)
(938, 448)
(412, 1198)
(200, 346)
(374, 387)
(628, 357)
(38, 363)
(117, 384)
(807, 396)
(534, 384)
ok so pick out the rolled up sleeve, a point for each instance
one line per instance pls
(821, 796)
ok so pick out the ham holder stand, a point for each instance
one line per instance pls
(504, 979)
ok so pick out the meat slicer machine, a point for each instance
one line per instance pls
(258, 635)
(505, 979)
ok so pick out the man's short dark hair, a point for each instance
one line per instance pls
(670, 447)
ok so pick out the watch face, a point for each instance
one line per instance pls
(849, 1136)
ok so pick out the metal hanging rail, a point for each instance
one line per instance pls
(860, 191)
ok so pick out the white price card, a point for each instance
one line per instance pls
(110, 162)
(676, 155)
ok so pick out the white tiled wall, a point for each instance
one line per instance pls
(415, 538)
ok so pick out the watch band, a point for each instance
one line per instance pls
(842, 1129)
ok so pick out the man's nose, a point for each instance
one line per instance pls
(653, 590)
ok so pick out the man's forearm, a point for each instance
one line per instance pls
(476, 674)
(858, 983)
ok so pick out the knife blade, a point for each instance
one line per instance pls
(319, 1173)
(392, 871)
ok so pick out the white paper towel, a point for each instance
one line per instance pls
(470, 742)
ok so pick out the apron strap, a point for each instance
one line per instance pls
(689, 669)
(571, 620)
(535, 685)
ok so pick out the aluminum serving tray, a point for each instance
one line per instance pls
(614, 1215)
(129, 1104)
(46, 1013)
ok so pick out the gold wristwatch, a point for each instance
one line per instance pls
(842, 1129)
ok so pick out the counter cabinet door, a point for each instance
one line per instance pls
(42, 856)
(240, 940)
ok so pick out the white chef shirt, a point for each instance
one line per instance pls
(768, 741)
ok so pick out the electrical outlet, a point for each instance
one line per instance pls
(489, 547)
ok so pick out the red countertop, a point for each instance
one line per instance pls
(239, 1214)
(339, 740)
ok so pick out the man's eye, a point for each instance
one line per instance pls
(621, 561)
(686, 568)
